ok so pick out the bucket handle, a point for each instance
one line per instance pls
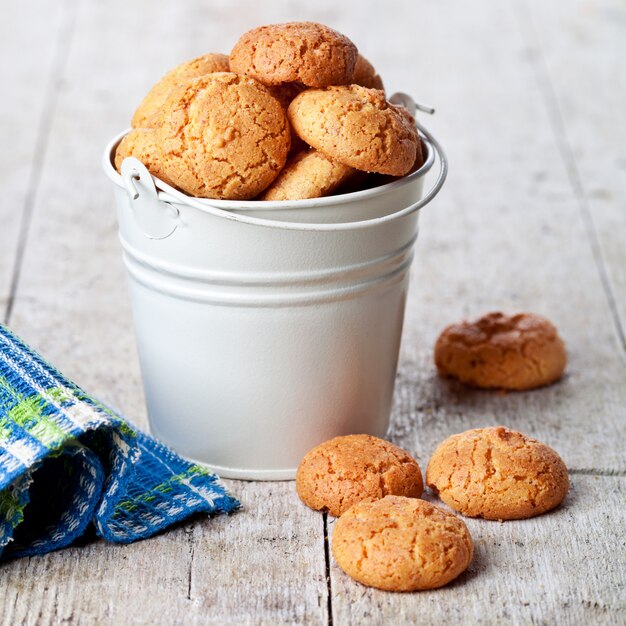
(143, 200)
(399, 98)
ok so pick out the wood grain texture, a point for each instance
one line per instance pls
(507, 232)
(264, 565)
(537, 571)
(580, 59)
(28, 95)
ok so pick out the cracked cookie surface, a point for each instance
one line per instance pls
(148, 112)
(498, 474)
(142, 144)
(499, 351)
(358, 127)
(304, 52)
(223, 135)
(345, 470)
(308, 174)
(401, 544)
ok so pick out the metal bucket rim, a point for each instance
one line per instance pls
(223, 208)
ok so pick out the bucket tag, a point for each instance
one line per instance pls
(156, 218)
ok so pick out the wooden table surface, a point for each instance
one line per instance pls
(531, 102)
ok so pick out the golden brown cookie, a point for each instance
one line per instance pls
(308, 174)
(345, 470)
(376, 180)
(499, 351)
(304, 52)
(223, 135)
(497, 473)
(142, 144)
(148, 112)
(357, 126)
(365, 75)
(401, 544)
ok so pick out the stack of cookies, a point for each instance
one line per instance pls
(294, 112)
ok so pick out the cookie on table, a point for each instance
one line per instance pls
(308, 174)
(345, 470)
(499, 351)
(358, 127)
(147, 113)
(223, 135)
(401, 544)
(497, 474)
(365, 74)
(142, 144)
(304, 52)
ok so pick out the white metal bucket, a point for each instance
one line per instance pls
(264, 328)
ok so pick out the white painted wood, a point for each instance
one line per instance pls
(100, 583)
(27, 75)
(581, 48)
(564, 567)
(264, 565)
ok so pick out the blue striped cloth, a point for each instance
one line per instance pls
(67, 461)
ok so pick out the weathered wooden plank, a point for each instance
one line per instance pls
(580, 57)
(506, 233)
(28, 93)
(266, 566)
(565, 567)
(228, 570)
(100, 583)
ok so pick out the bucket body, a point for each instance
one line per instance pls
(258, 342)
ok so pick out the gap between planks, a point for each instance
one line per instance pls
(589, 471)
(192, 549)
(329, 589)
(557, 124)
(62, 46)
